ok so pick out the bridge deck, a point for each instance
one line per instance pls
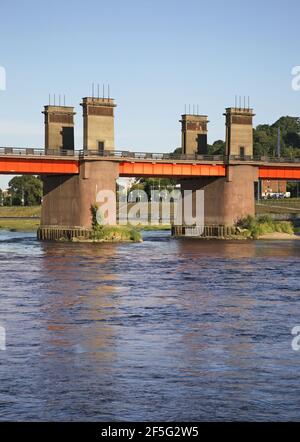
(35, 161)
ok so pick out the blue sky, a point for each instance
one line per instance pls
(157, 56)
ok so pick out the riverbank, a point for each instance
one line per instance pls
(20, 218)
(15, 224)
(20, 211)
(279, 236)
(28, 219)
(262, 227)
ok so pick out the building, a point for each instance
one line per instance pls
(273, 186)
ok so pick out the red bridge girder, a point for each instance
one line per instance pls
(38, 166)
(279, 172)
(161, 169)
(15, 165)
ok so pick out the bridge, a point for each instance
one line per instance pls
(72, 178)
(14, 160)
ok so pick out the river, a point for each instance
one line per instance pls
(162, 330)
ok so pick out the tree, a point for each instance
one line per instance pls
(26, 190)
(149, 184)
(178, 151)
(265, 138)
(217, 148)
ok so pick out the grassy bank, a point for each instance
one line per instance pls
(263, 207)
(34, 212)
(13, 218)
(251, 227)
(20, 211)
(33, 224)
(19, 224)
(281, 206)
(256, 227)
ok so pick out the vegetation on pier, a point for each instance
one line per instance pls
(103, 233)
(249, 228)
(256, 227)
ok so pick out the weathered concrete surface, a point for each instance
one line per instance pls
(239, 131)
(194, 134)
(59, 127)
(98, 123)
(67, 200)
(226, 200)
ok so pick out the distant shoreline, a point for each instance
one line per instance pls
(279, 236)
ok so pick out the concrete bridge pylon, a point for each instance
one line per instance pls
(68, 199)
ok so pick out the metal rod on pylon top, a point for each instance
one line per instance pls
(278, 143)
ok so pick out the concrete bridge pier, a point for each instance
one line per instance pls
(68, 199)
(226, 199)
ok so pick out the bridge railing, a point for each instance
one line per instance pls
(126, 154)
(191, 157)
(264, 159)
(150, 155)
(32, 151)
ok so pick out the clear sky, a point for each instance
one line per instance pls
(156, 55)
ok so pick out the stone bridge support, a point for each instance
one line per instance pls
(226, 199)
(68, 199)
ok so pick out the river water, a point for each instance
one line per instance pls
(163, 330)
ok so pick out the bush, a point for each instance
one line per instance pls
(264, 219)
(101, 232)
(263, 225)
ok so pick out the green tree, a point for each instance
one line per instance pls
(288, 124)
(265, 138)
(149, 184)
(217, 148)
(178, 151)
(26, 190)
(157, 184)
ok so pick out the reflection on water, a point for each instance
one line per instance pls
(163, 330)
